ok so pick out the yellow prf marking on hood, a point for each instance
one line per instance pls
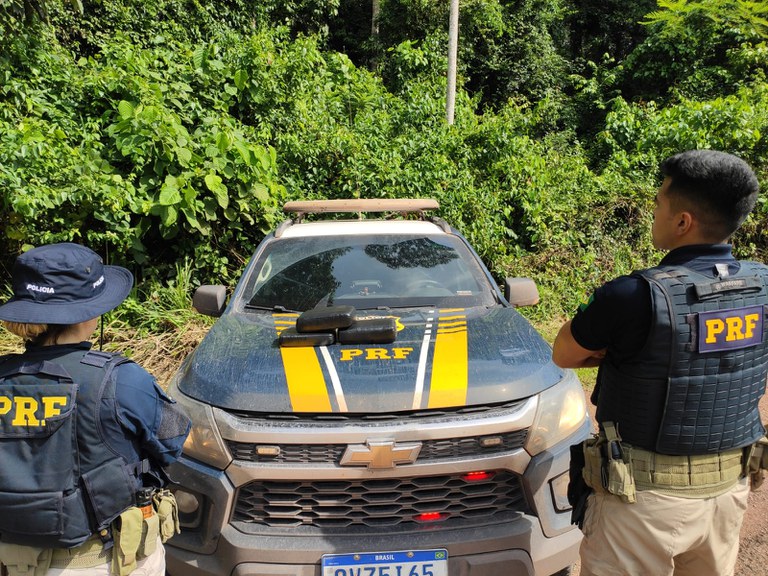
(448, 386)
(303, 374)
(398, 323)
(349, 354)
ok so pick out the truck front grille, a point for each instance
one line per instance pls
(378, 503)
(431, 450)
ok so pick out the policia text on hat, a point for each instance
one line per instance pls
(683, 356)
(84, 435)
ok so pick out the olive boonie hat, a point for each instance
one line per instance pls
(63, 284)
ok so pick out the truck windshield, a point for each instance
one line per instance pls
(385, 271)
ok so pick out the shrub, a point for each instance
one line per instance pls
(130, 150)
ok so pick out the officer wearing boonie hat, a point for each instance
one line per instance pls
(63, 284)
(84, 435)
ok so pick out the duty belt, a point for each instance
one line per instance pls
(693, 476)
(89, 554)
(622, 469)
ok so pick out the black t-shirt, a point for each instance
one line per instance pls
(617, 316)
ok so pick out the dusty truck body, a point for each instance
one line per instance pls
(418, 428)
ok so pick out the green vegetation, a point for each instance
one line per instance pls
(168, 131)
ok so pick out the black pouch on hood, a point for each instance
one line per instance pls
(325, 319)
(369, 331)
(290, 338)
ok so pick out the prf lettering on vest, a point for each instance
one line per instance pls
(26, 409)
(375, 354)
(730, 329)
(738, 328)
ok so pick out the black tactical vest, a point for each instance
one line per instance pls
(60, 480)
(695, 386)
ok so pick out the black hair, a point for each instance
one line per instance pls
(720, 188)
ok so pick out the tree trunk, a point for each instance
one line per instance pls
(375, 18)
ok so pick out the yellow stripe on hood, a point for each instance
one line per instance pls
(448, 386)
(303, 373)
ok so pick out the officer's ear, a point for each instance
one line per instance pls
(685, 223)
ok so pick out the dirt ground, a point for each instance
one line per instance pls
(753, 549)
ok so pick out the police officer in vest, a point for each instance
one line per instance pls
(84, 435)
(682, 356)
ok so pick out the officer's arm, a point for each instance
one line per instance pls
(567, 353)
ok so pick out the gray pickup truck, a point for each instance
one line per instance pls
(370, 403)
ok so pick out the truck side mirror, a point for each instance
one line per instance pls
(210, 299)
(521, 292)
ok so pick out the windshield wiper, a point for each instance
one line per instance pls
(275, 308)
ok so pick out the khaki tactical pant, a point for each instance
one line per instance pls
(152, 565)
(663, 535)
(138, 534)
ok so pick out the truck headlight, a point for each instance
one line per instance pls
(204, 442)
(561, 411)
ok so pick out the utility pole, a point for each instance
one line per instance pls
(453, 47)
(375, 18)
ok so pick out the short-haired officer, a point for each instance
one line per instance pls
(84, 435)
(682, 356)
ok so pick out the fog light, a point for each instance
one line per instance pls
(188, 503)
(559, 488)
(190, 507)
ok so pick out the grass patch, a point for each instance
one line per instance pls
(549, 328)
(155, 326)
(159, 353)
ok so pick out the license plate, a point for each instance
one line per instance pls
(401, 563)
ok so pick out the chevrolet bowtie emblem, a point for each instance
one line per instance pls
(381, 454)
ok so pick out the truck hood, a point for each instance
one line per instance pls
(442, 358)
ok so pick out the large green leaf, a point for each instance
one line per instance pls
(241, 78)
(125, 109)
(169, 192)
(219, 189)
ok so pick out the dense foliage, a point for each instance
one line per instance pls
(167, 131)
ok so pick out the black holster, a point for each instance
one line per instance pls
(578, 491)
